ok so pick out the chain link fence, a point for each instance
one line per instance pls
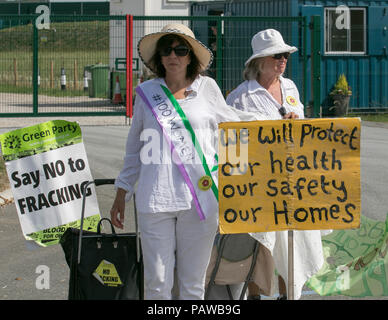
(77, 67)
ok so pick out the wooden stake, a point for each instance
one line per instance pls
(15, 71)
(75, 75)
(52, 74)
(290, 293)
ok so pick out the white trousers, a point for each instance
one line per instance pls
(176, 240)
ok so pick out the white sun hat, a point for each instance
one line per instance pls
(147, 45)
(267, 43)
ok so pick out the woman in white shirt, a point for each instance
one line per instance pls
(171, 152)
(266, 92)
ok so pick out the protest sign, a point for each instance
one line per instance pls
(289, 175)
(356, 262)
(48, 169)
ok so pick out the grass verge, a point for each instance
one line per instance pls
(4, 183)
(372, 117)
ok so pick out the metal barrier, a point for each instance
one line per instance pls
(78, 66)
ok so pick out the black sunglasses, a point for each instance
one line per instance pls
(180, 51)
(280, 55)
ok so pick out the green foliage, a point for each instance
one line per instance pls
(69, 45)
(342, 87)
(50, 65)
(371, 117)
(62, 36)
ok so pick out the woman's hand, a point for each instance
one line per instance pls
(291, 115)
(118, 209)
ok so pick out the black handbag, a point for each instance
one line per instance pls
(103, 266)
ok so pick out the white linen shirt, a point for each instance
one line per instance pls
(252, 97)
(161, 187)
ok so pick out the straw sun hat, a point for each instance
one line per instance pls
(147, 45)
(267, 43)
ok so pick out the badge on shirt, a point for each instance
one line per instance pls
(291, 101)
(205, 183)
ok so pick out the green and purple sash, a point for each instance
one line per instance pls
(186, 151)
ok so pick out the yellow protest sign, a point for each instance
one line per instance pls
(289, 175)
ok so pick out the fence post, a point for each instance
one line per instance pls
(305, 28)
(35, 68)
(219, 54)
(316, 65)
(129, 69)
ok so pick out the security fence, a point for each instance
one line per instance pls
(49, 71)
(78, 66)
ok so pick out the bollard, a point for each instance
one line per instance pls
(63, 79)
(86, 85)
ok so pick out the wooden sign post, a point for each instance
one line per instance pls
(278, 175)
(290, 291)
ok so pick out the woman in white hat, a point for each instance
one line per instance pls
(266, 92)
(171, 153)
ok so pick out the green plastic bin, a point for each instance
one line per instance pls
(99, 82)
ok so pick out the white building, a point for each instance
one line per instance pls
(150, 7)
(140, 28)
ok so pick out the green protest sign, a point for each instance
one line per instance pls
(356, 262)
(48, 171)
(52, 235)
(39, 138)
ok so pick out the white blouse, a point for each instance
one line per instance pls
(161, 187)
(252, 97)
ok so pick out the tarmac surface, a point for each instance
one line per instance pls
(21, 262)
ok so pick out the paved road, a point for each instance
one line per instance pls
(374, 170)
(105, 149)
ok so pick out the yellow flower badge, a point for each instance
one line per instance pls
(291, 101)
(205, 183)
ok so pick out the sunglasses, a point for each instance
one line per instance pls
(180, 51)
(280, 55)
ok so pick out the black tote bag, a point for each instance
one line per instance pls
(109, 268)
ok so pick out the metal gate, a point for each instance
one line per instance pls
(78, 65)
